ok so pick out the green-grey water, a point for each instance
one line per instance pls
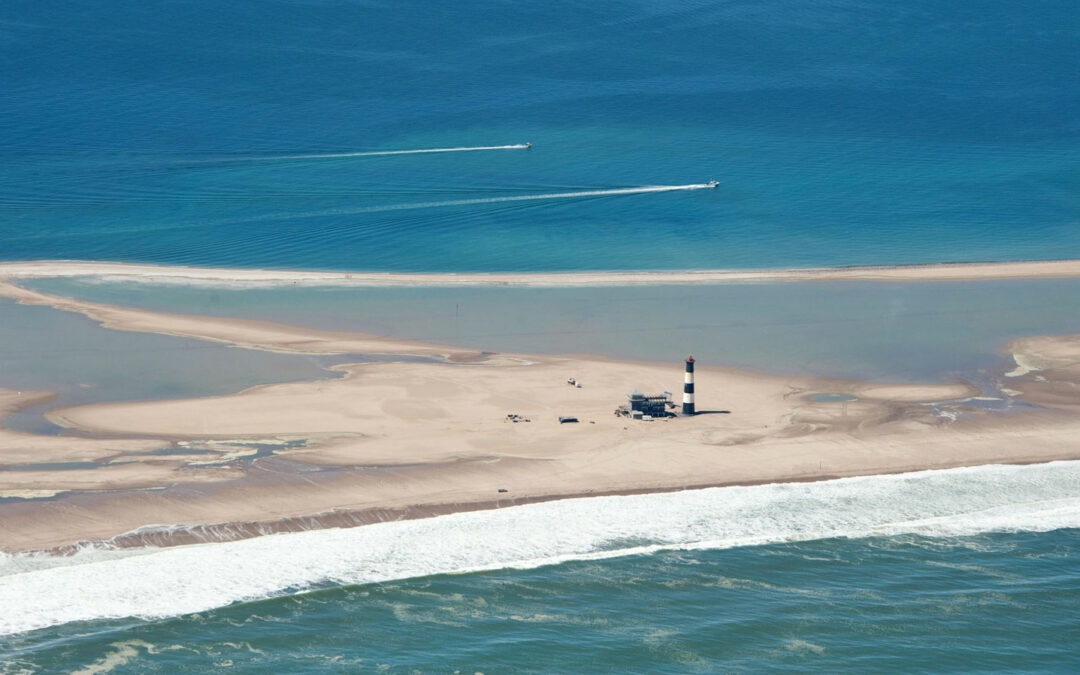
(43, 349)
(876, 605)
(877, 330)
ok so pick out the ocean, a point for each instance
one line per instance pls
(988, 603)
(839, 133)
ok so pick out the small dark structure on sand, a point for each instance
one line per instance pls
(640, 405)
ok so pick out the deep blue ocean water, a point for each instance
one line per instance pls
(839, 132)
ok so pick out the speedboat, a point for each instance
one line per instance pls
(712, 184)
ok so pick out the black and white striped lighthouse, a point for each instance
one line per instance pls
(688, 388)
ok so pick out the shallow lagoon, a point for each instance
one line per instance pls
(46, 349)
(876, 330)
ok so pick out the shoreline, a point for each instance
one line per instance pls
(184, 534)
(395, 438)
(1045, 269)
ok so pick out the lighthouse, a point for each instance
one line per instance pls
(688, 388)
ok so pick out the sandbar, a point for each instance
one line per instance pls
(404, 438)
(1041, 269)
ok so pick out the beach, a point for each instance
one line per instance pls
(432, 433)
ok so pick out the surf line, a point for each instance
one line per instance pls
(495, 200)
(376, 153)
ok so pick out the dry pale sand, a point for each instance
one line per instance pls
(935, 272)
(393, 440)
(416, 439)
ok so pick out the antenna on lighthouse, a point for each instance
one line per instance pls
(688, 388)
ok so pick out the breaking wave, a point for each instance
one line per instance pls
(37, 591)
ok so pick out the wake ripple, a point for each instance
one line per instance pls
(373, 153)
(38, 591)
(547, 196)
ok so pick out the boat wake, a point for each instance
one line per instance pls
(548, 196)
(38, 590)
(528, 198)
(373, 153)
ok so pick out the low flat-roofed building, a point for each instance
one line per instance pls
(654, 404)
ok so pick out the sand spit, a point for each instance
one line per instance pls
(408, 439)
(160, 273)
(251, 334)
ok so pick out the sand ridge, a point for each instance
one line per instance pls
(163, 273)
(248, 333)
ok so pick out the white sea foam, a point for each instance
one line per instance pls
(39, 591)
